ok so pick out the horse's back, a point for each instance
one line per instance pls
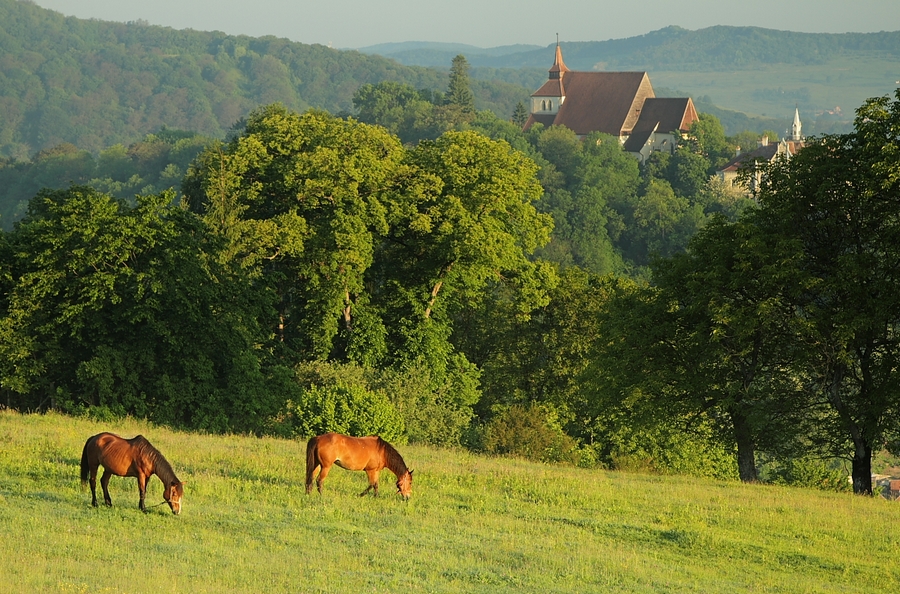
(115, 453)
(351, 453)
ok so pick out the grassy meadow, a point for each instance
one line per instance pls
(473, 524)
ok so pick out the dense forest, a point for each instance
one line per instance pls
(529, 294)
(415, 265)
(95, 84)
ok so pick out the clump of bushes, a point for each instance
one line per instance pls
(529, 431)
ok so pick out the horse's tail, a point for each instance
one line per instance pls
(312, 461)
(85, 464)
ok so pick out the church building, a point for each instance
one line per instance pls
(618, 103)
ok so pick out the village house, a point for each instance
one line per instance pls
(765, 152)
(622, 104)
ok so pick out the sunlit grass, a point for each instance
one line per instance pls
(474, 524)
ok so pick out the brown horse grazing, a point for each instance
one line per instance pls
(371, 454)
(128, 457)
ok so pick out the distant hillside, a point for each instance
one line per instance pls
(424, 53)
(762, 72)
(671, 48)
(94, 83)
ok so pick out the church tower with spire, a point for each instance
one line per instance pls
(550, 97)
(796, 134)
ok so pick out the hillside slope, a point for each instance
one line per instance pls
(94, 83)
(473, 524)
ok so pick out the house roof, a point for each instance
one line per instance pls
(766, 152)
(607, 102)
(664, 115)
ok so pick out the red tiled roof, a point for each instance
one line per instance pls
(600, 101)
(665, 115)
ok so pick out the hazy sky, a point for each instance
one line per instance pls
(484, 23)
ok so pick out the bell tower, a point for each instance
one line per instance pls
(548, 99)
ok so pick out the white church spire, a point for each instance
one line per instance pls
(796, 126)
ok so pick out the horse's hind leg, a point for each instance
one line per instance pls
(321, 478)
(310, 471)
(104, 482)
(93, 483)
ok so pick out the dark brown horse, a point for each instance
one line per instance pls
(371, 454)
(128, 457)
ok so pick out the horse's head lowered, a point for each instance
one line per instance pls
(404, 484)
(173, 494)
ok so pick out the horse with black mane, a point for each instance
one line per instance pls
(371, 454)
(128, 457)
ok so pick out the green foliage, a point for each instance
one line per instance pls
(520, 115)
(530, 432)
(458, 91)
(429, 410)
(106, 307)
(350, 410)
(809, 473)
(150, 166)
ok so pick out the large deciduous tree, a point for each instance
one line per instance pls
(839, 199)
(305, 199)
(120, 307)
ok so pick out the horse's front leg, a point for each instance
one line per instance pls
(104, 482)
(373, 483)
(142, 490)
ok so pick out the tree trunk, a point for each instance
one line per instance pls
(746, 448)
(862, 467)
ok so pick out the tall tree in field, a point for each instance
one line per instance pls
(839, 200)
(731, 339)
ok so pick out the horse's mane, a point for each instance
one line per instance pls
(393, 459)
(162, 467)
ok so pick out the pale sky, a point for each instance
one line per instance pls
(483, 23)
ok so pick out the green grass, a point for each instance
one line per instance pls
(474, 524)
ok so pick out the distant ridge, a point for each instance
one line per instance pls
(719, 47)
(440, 55)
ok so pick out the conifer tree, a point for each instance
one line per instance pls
(458, 92)
(520, 115)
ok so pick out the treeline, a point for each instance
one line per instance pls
(95, 84)
(154, 164)
(318, 274)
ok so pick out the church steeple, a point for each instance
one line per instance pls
(549, 98)
(559, 67)
(796, 126)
